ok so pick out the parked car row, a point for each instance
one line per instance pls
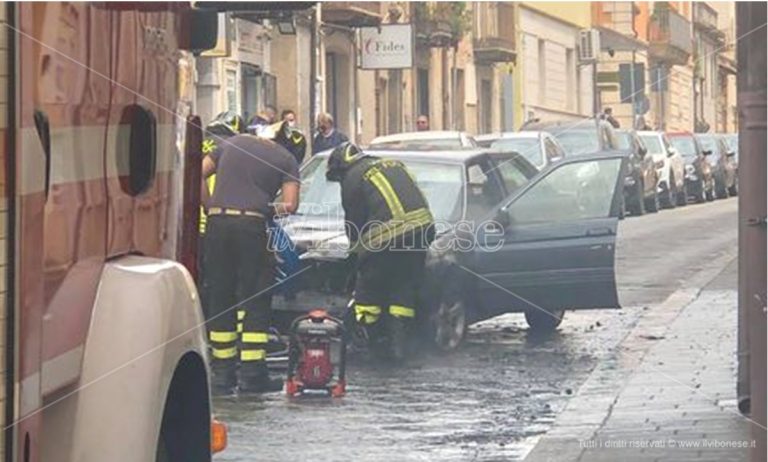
(544, 202)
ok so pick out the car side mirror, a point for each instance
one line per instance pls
(643, 151)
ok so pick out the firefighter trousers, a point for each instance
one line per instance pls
(236, 262)
(388, 283)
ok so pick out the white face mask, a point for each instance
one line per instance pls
(291, 123)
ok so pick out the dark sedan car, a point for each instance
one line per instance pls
(699, 181)
(640, 192)
(585, 136)
(512, 239)
(721, 159)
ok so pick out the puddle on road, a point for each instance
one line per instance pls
(490, 401)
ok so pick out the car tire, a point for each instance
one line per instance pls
(636, 204)
(669, 198)
(652, 203)
(448, 323)
(701, 195)
(541, 321)
(682, 196)
(721, 192)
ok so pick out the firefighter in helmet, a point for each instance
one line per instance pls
(223, 126)
(390, 227)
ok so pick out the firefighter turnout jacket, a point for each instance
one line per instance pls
(384, 208)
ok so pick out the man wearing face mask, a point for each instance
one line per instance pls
(327, 136)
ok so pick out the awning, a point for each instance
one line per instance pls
(616, 41)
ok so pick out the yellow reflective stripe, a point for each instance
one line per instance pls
(224, 353)
(394, 228)
(255, 337)
(240, 315)
(222, 337)
(416, 217)
(401, 311)
(211, 183)
(208, 145)
(367, 314)
(385, 188)
(239, 327)
(253, 355)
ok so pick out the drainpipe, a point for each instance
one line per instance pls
(751, 52)
(313, 73)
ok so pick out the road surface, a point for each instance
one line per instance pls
(494, 398)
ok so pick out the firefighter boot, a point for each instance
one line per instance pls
(397, 329)
(254, 378)
(223, 377)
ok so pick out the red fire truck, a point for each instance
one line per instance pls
(103, 345)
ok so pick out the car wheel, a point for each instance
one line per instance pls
(701, 195)
(682, 196)
(448, 321)
(711, 191)
(541, 321)
(720, 190)
(669, 198)
(652, 203)
(636, 204)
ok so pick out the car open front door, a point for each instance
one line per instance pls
(557, 247)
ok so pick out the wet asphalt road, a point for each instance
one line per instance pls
(491, 400)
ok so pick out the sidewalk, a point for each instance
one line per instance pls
(669, 392)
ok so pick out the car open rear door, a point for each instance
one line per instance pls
(554, 242)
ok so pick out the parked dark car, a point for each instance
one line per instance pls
(641, 178)
(586, 136)
(699, 181)
(546, 246)
(458, 185)
(721, 159)
(733, 144)
(539, 148)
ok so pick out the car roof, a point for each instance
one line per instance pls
(419, 136)
(582, 124)
(514, 135)
(446, 155)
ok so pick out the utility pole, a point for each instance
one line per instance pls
(751, 54)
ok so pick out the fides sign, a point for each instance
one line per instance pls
(387, 47)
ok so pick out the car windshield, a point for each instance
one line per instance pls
(577, 142)
(624, 140)
(441, 183)
(653, 143)
(709, 143)
(684, 145)
(436, 142)
(530, 148)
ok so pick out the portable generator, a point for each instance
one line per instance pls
(316, 355)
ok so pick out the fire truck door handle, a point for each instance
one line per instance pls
(43, 127)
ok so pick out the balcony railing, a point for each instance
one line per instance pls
(494, 33)
(669, 36)
(352, 14)
(705, 20)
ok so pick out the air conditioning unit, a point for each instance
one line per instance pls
(589, 45)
